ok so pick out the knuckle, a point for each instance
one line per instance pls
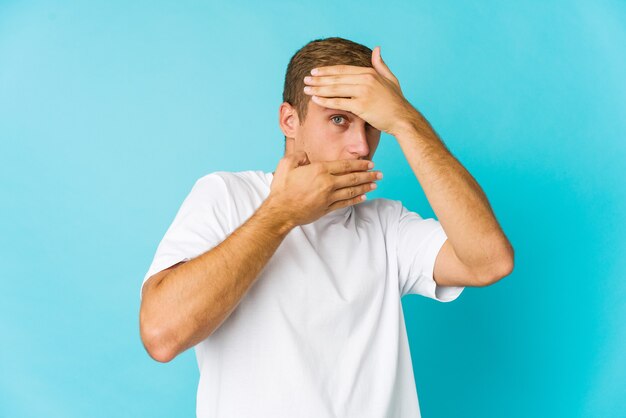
(327, 184)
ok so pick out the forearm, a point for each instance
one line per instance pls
(457, 199)
(194, 299)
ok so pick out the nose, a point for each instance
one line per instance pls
(358, 145)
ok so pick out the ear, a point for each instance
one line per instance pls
(288, 120)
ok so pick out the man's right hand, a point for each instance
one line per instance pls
(303, 191)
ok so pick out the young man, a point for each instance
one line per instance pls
(288, 284)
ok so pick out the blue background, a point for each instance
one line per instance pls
(109, 111)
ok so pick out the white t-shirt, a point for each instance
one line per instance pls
(321, 332)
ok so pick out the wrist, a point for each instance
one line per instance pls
(279, 220)
(406, 121)
(414, 126)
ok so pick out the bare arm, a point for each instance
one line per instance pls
(185, 305)
(477, 252)
(193, 300)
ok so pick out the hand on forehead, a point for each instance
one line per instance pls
(341, 69)
(370, 93)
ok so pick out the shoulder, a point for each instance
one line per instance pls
(237, 187)
(213, 183)
(233, 179)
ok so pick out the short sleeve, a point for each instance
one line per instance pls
(418, 243)
(200, 224)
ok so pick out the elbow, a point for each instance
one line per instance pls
(500, 270)
(157, 351)
(504, 270)
(155, 342)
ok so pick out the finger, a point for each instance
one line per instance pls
(336, 103)
(351, 192)
(381, 66)
(291, 161)
(336, 90)
(349, 202)
(336, 79)
(298, 158)
(354, 178)
(346, 166)
(341, 69)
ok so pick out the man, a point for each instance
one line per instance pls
(288, 284)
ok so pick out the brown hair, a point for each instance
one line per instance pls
(319, 53)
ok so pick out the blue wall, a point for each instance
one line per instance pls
(109, 111)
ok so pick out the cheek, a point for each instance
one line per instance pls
(324, 144)
(324, 136)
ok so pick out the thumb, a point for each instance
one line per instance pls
(381, 67)
(291, 161)
(298, 158)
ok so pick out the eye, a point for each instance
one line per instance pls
(337, 116)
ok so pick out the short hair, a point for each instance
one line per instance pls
(319, 53)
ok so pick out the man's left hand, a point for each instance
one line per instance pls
(373, 94)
